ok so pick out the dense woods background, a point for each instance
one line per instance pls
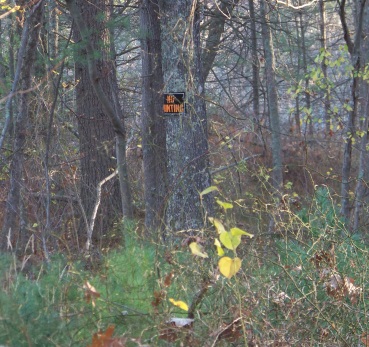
(267, 166)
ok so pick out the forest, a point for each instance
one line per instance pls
(184, 173)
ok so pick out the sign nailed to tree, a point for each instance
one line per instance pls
(174, 103)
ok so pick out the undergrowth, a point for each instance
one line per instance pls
(305, 285)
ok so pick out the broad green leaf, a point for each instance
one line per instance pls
(229, 267)
(197, 249)
(219, 248)
(218, 225)
(182, 305)
(230, 241)
(225, 205)
(208, 190)
(240, 232)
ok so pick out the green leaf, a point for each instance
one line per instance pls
(208, 190)
(230, 241)
(218, 225)
(197, 249)
(220, 250)
(225, 205)
(240, 232)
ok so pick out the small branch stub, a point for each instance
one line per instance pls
(174, 103)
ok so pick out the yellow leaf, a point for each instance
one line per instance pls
(240, 232)
(182, 305)
(229, 267)
(218, 225)
(219, 247)
(208, 190)
(197, 249)
(230, 241)
(225, 205)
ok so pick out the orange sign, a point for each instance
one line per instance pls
(174, 103)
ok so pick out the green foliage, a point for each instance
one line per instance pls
(50, 307)
(305, 284)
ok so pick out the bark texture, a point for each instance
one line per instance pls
(98, 118)
(153, 130)
(363, 175)
(353, 45)
(187, 143)
(277, 176)
(12, 232)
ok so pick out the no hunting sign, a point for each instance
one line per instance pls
(174, 103)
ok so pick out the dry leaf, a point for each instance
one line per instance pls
(280, 298)
(168, 279)
(104, 338)
(91, 294)
(170, 332)
(365, 339)
(338, 288)
(158, 298)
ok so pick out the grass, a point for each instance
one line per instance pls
(306, 288)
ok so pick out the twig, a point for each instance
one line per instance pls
(234, 164)
(91, 225)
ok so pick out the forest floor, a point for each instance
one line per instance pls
(303, 285)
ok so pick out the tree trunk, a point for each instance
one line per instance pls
(363, 175)
(277, 177)
(298, 71)
(309, 120)
(215, 31)
(11, 225)
(187, 137)
(323, 46)
(98, 119)
(255, 64)
(153, 130)
(354, 50)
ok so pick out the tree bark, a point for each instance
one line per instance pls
(323, 46)
(98, 118)
(27, 58)
(255, 64)
(309, 120)
(277, 177)
(363, 174)
(354, 50)
(153, 130)
(215, 31)
(187, 136)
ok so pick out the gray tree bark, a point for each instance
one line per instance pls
(363, 174)
(255, 63)
(100, 125)
(309, 121)
(215, 32)
(323, 46)
(277, 176)
(153, 129)
(187, 136)
(354, 50)
(27, 57)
